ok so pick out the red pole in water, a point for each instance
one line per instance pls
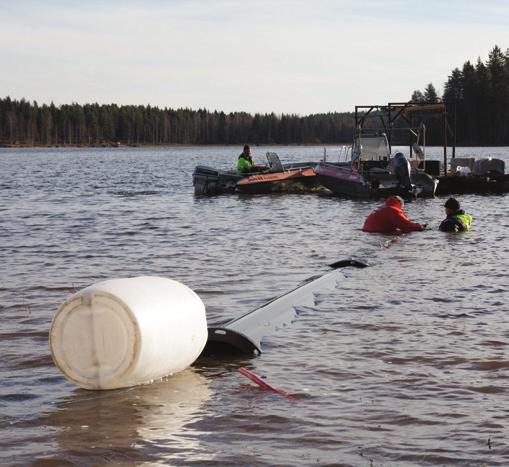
(256, 379)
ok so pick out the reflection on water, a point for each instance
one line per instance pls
(404, 363)
(134, 422)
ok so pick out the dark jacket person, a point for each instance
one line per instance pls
(456, 220)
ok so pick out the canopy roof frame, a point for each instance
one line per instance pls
(390, 113)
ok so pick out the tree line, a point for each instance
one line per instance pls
(28, 123)
(480, 92)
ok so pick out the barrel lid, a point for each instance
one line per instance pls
(94, 339)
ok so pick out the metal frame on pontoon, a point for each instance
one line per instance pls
(398, 111)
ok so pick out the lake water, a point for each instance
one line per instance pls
(404, 363)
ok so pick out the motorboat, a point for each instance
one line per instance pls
(373, 172)
(275, 177)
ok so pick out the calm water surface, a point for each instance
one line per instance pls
(404, 363)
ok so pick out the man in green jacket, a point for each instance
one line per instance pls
(245, 164)
(456, 220)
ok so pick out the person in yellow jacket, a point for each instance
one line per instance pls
(245, 164)
(456, 220)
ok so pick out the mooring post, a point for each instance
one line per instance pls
(454, 136)
(389, 132)
(444, 114)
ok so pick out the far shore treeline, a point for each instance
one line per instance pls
(26, 123)
(480, 91)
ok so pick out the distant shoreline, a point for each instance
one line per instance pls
(173, 145)
(211, 145)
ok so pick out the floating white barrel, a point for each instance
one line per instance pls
(124, 332)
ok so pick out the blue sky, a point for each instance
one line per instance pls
(260, 56)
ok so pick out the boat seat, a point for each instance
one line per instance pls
(274, 162)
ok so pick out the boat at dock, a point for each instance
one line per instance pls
(276, 177)
(369, 168)
(373, 172)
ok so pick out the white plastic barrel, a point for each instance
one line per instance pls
(124, 332)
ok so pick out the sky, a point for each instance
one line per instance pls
(282, 56)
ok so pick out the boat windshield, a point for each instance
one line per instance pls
(370, 148)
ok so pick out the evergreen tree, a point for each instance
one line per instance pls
(430, 94)
(417, 96)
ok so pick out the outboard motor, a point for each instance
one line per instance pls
(209, 181)
(402, 170)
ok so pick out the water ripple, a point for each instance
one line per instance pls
(404, 363)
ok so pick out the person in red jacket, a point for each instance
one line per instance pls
(390, 219)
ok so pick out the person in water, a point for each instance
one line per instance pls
(456, 220)
(390, 219)
(245, 164)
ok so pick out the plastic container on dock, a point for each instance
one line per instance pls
(487, 166)
(125, 332)
(462, 162)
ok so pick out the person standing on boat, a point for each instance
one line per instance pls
(390, 219)
(245, 164)
(456, 220)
